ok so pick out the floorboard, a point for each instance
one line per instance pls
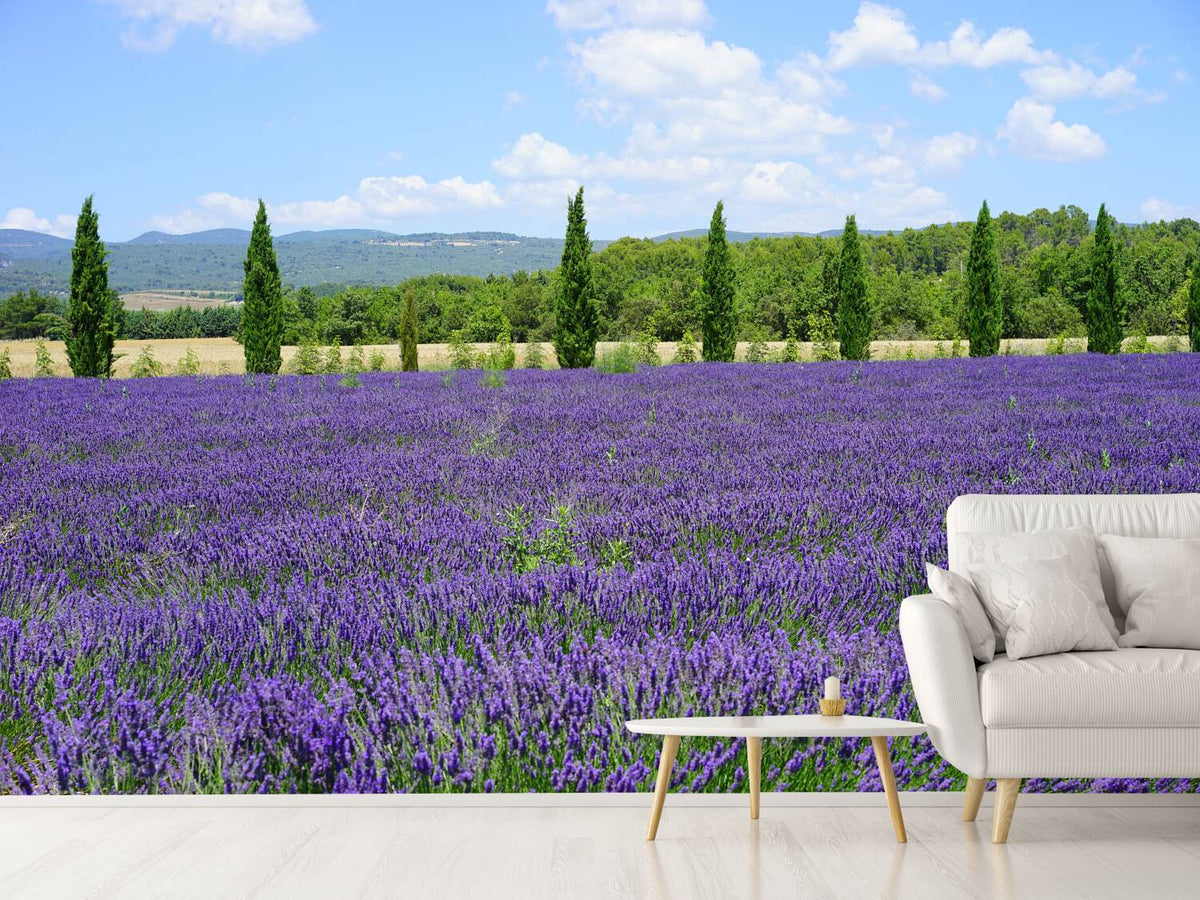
(561, 852)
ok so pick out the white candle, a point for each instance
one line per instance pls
(833, 690)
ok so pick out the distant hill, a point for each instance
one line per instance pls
(214, 236)
(17, 244)
(212, 260)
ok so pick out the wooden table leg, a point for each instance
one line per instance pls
(754, 763)
(888, 777)
(666, 762)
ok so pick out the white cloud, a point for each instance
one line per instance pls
(945, 153)
(27, 220)
(587, 15)
(1031, 129)
(513, 99)
(781, 182)
(805, 78)
(926, 88)
(1181, 76)
(882, 35)
(379, 199)
(247, 24)
(967, 47)
(532, 157)
(653, 63)
(1066, 81)
(1155, 209)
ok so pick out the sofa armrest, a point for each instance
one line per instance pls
(942, 670)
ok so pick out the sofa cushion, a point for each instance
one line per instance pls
(1157, 582)
(1014, 549)
(959, 594)
(1042, 607)
(1140, 686)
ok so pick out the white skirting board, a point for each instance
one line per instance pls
(582, 801)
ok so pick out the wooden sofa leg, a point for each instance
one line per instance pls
(1006, 801)
(975, 791)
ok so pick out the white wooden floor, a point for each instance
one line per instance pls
(1127, 853)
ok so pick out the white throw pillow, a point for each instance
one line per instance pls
(1157, 582)
(1041, 606)
(1013, 548)
(959, 594)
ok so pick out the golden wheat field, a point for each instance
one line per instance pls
(223, 356)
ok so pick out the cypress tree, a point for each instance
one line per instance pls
(576, 323)
(985, 305)
(262, 309)
(854, 308)
(408, 333)
(1105, 318)
(91, 315)
(1193, 306)
(719, 326)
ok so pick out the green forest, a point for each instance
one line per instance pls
(916, 286)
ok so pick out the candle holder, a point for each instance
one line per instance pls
(833, 707)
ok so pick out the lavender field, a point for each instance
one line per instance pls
(433, 583)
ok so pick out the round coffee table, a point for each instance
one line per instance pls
(755, 728)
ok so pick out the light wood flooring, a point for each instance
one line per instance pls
(815, 852)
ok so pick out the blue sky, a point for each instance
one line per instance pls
(177, 114)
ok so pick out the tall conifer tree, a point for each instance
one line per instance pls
(92, 313)
(408, 332)
(262, 309)
(1193, 306)
(719, 326)
(854, 307)
(985, 305)
(1105, 317)
(577, 324)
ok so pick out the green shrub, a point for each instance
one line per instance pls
(146, 366)
(1138, 343)
(1057, 346)
(685, 350)
(1172, 344)
(308, 360)
(493, 378)
(791, 350)
(756, 350)
(5, 365)
(43, 366)
(825, 346)
(646, 350)
(462, 354)
(502, 356)
(621, 361)
(189, 364)
(356, 362)
(534, 358)
(376, 361)
(1048, 314)
(333, 359)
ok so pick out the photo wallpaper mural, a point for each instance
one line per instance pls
(464, 581)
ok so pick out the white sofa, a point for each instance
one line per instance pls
(1127, 713)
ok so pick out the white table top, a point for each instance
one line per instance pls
(777, 726)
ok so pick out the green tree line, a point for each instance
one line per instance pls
(917, 286)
